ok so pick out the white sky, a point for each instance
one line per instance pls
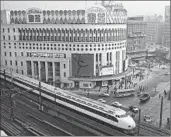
(133, 7)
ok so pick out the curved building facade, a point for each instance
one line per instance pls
(79, 48)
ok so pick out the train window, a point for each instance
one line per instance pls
(114, 119)
(73, 98)
(89, 104)
(78, 100)
(68, 96)
(101, 108)
(110, 112)
(84, 102)
(95, 106)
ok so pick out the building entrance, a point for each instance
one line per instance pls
(76, 84)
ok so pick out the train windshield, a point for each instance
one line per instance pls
(122, 116)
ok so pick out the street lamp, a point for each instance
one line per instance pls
(125, 81)
(139, 120)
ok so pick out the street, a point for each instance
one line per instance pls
(157, 82)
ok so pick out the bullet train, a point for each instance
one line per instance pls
(115, 118)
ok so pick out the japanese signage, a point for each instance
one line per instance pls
(34, 16)
(106, 71)
(101, 18)
(91, 18)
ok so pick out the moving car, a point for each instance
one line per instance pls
(163, 67)
(133, 109)
(102, 100)
(168, 73)
(116, 104)
(144, 97)
(147, 118)
(105, 94)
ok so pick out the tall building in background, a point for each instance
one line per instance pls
(152, 30)
(136, 38)
(160, 35)
(67, 48)
(166, 41)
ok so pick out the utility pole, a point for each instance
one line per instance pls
(161, 111)
(11, 107)
(139, 121)
(125, 82)
(40, 97)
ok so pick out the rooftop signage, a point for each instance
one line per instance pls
(34, 15)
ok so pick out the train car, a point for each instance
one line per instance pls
(103, 113)
(3, 134)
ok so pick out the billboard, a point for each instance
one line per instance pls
(106, 70)
(82, 65)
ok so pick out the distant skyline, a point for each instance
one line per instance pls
(134, 8)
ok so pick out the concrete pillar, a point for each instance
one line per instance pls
(32, 68)
(53, 67)
(46, 69)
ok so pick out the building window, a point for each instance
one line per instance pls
(16, 63)
(15, 54)
(21, 53)
(8, 30)
(64, 74)
(14, 38)
(5, 62)
(5, 53)
(21, 63)
(64, 66)
(13, 29)
(8, 37)
(10, 54)
(22, 72)
(11, 63)
(3, 30)
(3, 37)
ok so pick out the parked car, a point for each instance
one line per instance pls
(168, 73)
(102, 100)
(105, 94)
(163, 67)
(116, 104)
(147, 118)
(133, 109)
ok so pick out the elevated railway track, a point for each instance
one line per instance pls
(145, 129)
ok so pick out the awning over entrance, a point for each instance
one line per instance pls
(139, 59)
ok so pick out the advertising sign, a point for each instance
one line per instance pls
(82, 65)
(106, 70)
(34, 15)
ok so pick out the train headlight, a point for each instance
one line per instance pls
(129, 126)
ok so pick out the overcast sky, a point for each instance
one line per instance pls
(133, 7)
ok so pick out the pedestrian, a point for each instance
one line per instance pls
(165, 92)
